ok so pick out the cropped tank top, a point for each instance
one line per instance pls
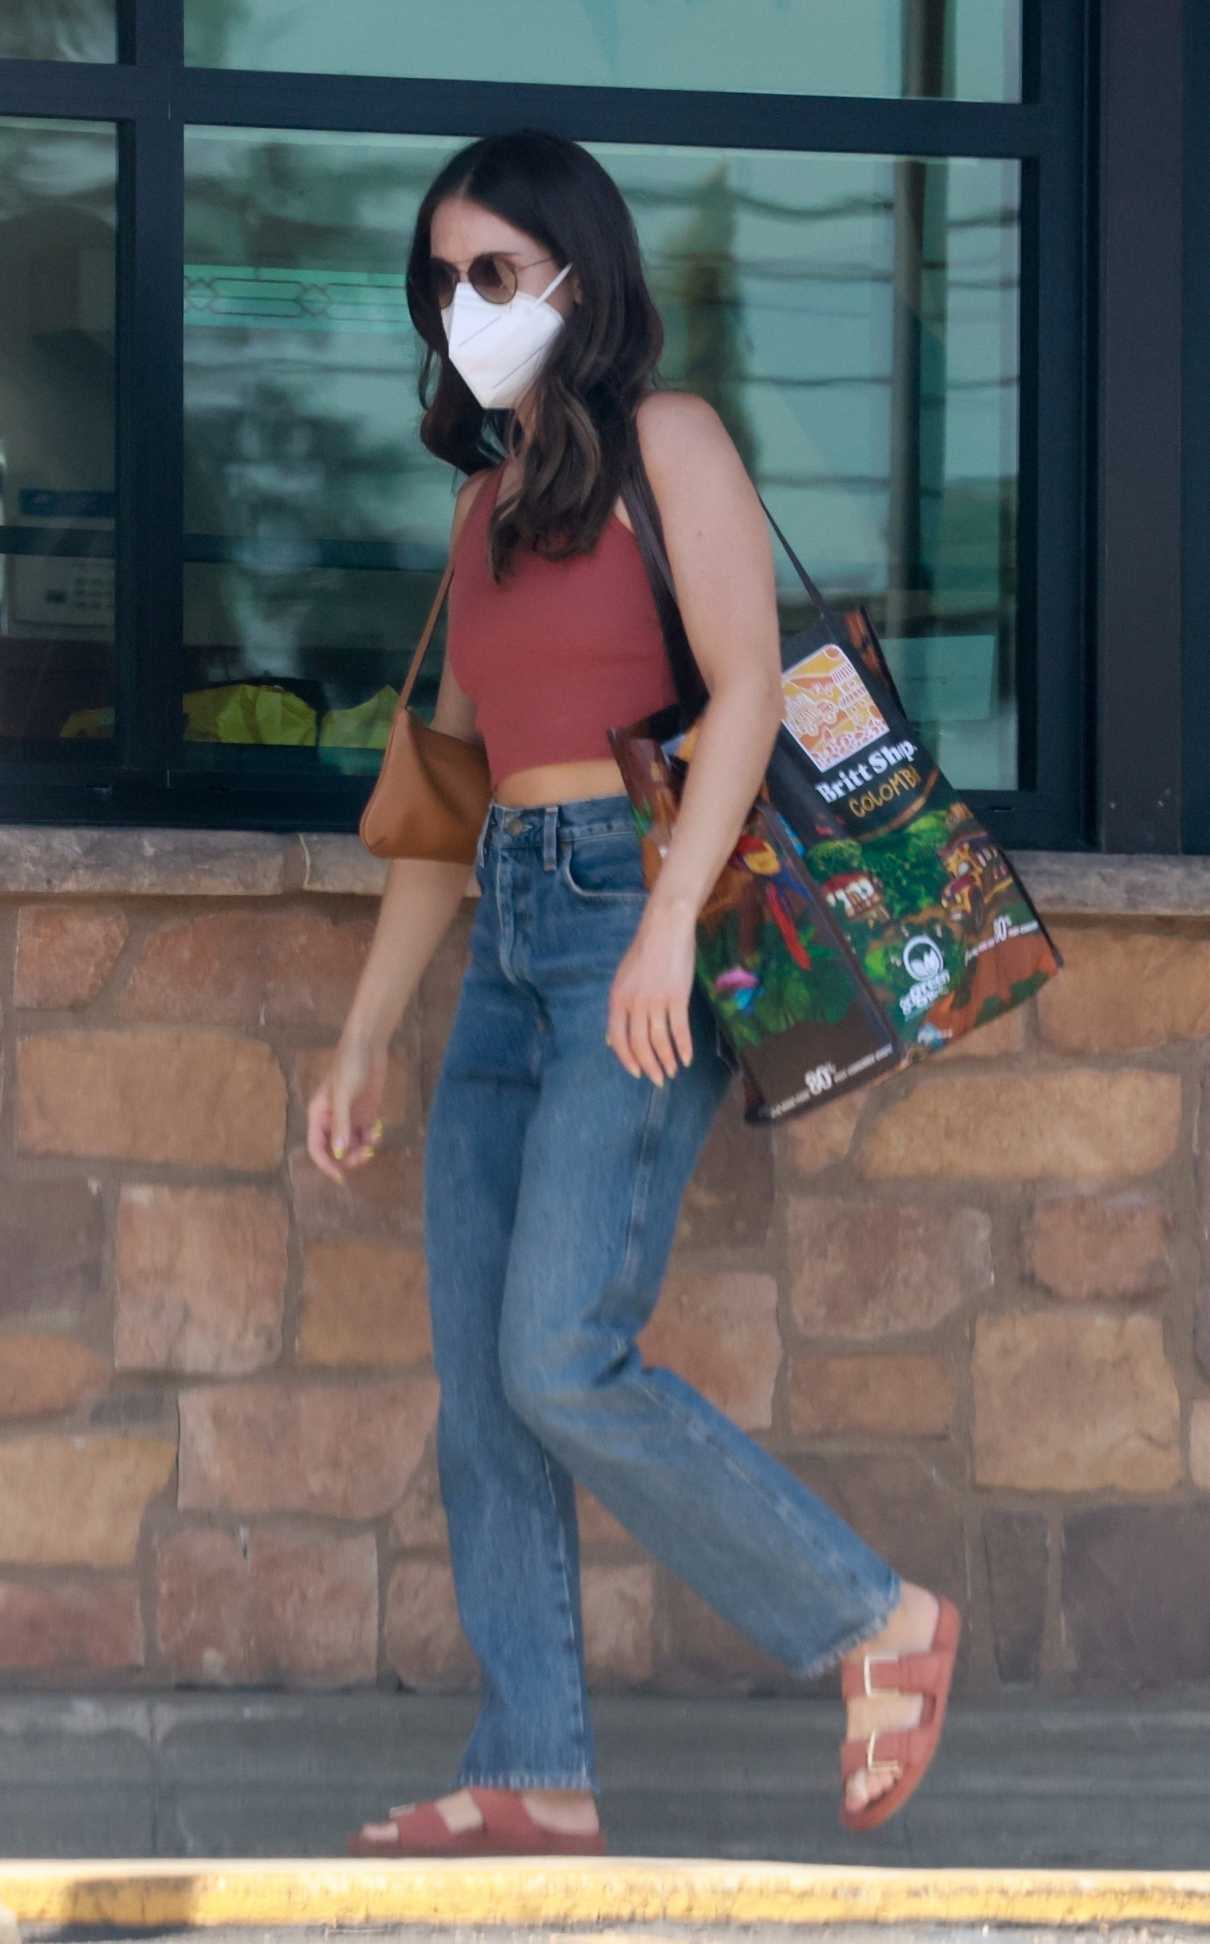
(560, 652)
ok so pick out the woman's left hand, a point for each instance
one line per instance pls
(649, 999)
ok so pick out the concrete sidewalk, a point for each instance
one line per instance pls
(1060, 1785)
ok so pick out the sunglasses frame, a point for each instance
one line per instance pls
(439, 272)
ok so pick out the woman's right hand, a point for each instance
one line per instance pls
(344, 1124)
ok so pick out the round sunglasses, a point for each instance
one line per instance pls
(494, 278)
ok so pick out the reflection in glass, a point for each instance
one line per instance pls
(58, 30)
(964, 49)
(853, 318)
(57, 218)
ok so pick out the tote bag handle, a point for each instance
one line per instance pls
(648, 531)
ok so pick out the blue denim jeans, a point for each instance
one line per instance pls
(553, 1180)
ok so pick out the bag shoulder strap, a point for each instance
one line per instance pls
(640, 503)
(426, 634)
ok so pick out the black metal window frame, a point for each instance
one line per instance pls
(151, 97)
(1192, 585)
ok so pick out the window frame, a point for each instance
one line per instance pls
(153, 98)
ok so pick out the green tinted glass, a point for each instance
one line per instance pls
(964, 49)
(56, 434)
(58, 30)
(853, 318)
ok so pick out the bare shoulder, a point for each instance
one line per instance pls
(675, 425)
(685, 445)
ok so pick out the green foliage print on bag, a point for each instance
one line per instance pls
(767, 966)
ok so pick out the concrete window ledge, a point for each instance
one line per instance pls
(57, 861)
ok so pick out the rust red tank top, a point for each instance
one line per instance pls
(560, 652)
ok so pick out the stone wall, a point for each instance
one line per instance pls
(965, 1304)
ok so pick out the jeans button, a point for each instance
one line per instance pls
(515, 826)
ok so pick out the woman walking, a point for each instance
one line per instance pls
(583, 1069)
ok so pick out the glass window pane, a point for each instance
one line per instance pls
(58, 30)
(58, 196)
(969, 49)
(853, 318)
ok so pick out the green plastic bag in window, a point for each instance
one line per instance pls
(89, 722)
(249, 712)
(365, 726)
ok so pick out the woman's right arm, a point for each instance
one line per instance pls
(419, 903)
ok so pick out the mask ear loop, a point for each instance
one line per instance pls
(553, 284)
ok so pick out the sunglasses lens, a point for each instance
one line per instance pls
(443, 281)
(494, 279)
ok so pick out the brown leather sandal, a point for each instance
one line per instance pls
(507, 1829)
(905, 1752)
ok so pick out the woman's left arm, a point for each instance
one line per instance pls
(717, 540)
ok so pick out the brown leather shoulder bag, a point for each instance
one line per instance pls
(433, 789)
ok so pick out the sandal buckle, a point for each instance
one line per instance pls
(866, 1664)
(873, 1766)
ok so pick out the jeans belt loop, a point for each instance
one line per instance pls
(550, 837)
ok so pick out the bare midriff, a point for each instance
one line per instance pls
(560, 783)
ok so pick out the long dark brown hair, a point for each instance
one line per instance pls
(583, 444)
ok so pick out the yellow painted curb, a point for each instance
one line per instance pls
(562, 1892)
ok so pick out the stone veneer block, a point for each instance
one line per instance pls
(384, 1197)
(284, 1605)
(1126, 988)
(348, 1451)
(1079, 1124)
(1016, 1546)
(339, 863)
(1111, 884)
(876, 1397)
(41, 1375)
(419, 1517)
(51, 1237)
(728, 1203)
(65, 956)
(1092, 1248)
(1201, 1317)
(78, 1500)
(249, 968)
(720, 1333)
(619, 1612)
(1136, 1590)
(699, 1651)
(1075, 1402)
(871, 1269)
(823, 1136)
(996, 1039)
(1199, 1443)
(904, 1504)
(141, 863)
(91, 1625)
(196, 1098)
(363, 1303)
(200, 1280)
(422, 1635)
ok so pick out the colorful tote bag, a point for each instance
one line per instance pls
(866, 917)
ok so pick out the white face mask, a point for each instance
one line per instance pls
(500, 348)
